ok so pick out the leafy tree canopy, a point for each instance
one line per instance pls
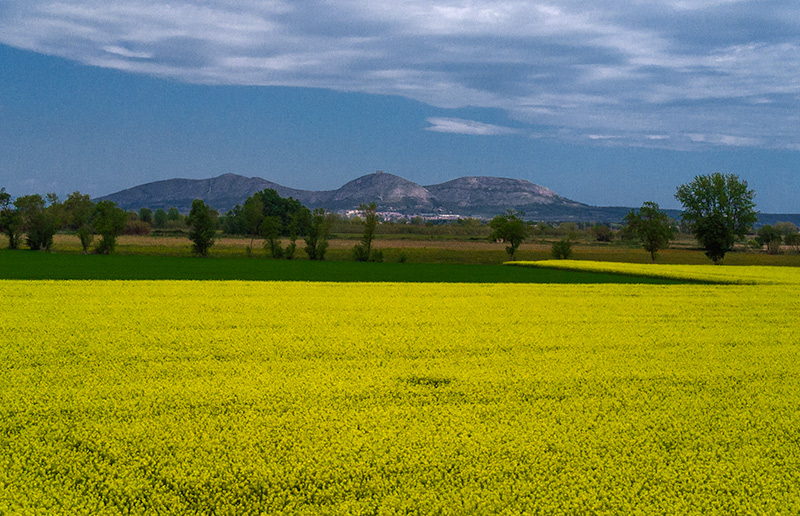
(40, 218)
(718, 209)
(78, 210)
(202, 222)
(10, 220)
(109, 222)
(651, 226)
(246, 219)
(509, 228)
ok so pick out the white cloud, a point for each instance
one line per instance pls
(124, 52)
(461, 126)
(724, 139)
(676, 67)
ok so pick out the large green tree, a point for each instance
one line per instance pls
(40, 219)
(173, 215)
(651, 226)
(317, 234)
(146, 215)
(271, 232)
(771, 237)
(202, 222)
(253, 216)
(509, 228)
(246, 219)
(10, 220)
(160, 218)
(362, 251)
(289, 210)
(718, 208)
(77, 210)
(109, 221)
(793, 240)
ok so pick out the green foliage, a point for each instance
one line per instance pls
(247, 219)
(252, 216)
(771, 237)
(233, 221)
(270, 231)
(509, 228)
(317, 236)
(109, 222)
(562, 249)
(786, 228)
(77, 211)
(86, 236)
(202, 222)
(40, 219)
(10, 220)
(174, 215)
(295, 218)
(160, 218)
(652, 227)
(360, 253)
(718, 209)
(5, 199)
(363, 252)
(793, 240)
(602, 233)
(146, 215)
(753, 244)
(136, 227)
(291, 248)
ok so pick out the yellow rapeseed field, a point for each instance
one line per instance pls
(236, 398)
(741, 275)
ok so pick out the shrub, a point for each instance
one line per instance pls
(562, 249)
(136, 227)
(288, 253)
(793, 241)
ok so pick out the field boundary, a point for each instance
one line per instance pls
(724, 275)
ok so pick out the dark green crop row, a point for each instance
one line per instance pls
(35, 265)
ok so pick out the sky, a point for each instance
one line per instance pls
(608, 103)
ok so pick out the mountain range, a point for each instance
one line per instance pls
(466, 196)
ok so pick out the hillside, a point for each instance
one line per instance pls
(390, 192)
(467, 196)
(222, 192)
(478, 196)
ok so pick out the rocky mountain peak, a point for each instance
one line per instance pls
(474, 196)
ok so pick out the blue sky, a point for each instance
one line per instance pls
(607, 103)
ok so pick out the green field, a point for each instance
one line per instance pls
(37, 265)
(416, 249)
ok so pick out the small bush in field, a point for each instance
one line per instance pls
(562, 249)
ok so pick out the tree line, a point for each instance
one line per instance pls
(264, 214)
(39, 218)
(718, 209)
